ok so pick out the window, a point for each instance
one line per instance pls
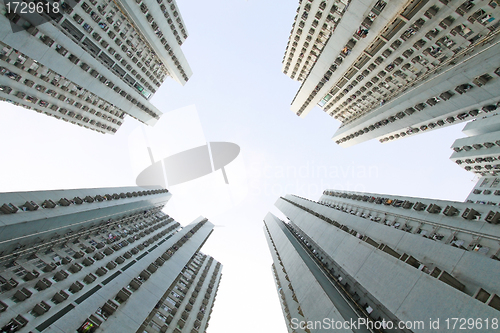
(19, 271)
(87, 27)
(154, 325)
(161, 317)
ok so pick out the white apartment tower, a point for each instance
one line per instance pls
(374, 259)
(486, 191)
(479, 153)
(388, 71)
(94, 61)
(102, 260)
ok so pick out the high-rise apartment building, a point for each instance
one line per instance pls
(105, 260)
(94, 61)
(389, 71)
(486, 191)
(392, 263)
(479, 152)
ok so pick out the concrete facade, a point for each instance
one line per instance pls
(479, 151)
(396, 259)
(102, 259)
(391, 71)
(485, 191)
(187, 304)
(94, 62)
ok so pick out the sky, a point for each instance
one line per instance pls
(238, 94)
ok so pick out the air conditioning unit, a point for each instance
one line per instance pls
(419, 206)
(488, 144)
(409, 111)
(470, 214)
(8, 208)
(48, 204)
(420, 106)
(446, 95)
(407, 204)
(31, 205)
(434, 209)
(450, 211)
(473, 113)
(493, 217)
(489, 108)
(482, 80)
(64, 202)
(432, 101)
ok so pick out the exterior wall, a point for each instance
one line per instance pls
(391, 71)
(187, 304)
(312, 27)
(108, 56)
(61, 212)
(131, 316)
(484, 125)
(101, 257)
(479, 151)
(306, 293)
(288, 299)
(165, 38)
(485, 191)
(412, 276)
(474, 235)
(328, 70)
(400, 117)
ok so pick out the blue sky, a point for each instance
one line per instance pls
(235, 50)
